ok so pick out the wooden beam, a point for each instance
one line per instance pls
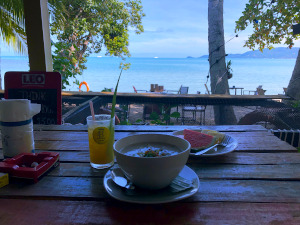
(38, 35)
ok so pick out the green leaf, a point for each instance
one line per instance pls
(80, 28)
(154, 116)
(112, 115)
(175, 115)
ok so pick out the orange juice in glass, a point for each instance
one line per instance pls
(101, 140)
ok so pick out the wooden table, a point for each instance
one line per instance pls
(236, 88)
(259, 183)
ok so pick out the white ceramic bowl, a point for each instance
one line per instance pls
(152, 172)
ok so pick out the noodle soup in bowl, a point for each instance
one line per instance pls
(151, 161)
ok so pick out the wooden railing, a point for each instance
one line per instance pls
(197, 99)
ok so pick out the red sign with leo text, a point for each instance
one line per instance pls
(40, 87)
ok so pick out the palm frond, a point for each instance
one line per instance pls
(12, 22)
(15, 9)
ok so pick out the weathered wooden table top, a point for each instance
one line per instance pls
(258, 183)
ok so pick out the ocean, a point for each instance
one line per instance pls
(103, 72)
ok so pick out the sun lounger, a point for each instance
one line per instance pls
(136, 91)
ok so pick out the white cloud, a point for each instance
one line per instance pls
(158, 30)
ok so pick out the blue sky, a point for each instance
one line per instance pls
(176, 28)
(179, 28)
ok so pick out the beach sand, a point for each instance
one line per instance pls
(136, 114)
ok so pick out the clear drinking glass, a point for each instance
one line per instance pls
(101, 140)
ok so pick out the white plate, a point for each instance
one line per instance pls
(152, 197)
(219, 150)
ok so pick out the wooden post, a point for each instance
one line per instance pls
(38, 35)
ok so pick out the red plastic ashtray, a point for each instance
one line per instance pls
(30, 165)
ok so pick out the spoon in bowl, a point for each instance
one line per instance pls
(119, 178)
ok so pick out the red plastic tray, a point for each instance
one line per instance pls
(21, 165)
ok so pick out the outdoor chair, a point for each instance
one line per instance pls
(136, 91)
(259, 91)
(194, 109)
(183, 90)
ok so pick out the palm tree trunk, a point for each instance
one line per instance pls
(0, 71)
(224, 114)
(293, 89)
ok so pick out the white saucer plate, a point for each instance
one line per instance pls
(219, 150)
(152, 197)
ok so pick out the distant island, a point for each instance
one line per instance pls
(278, 53)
